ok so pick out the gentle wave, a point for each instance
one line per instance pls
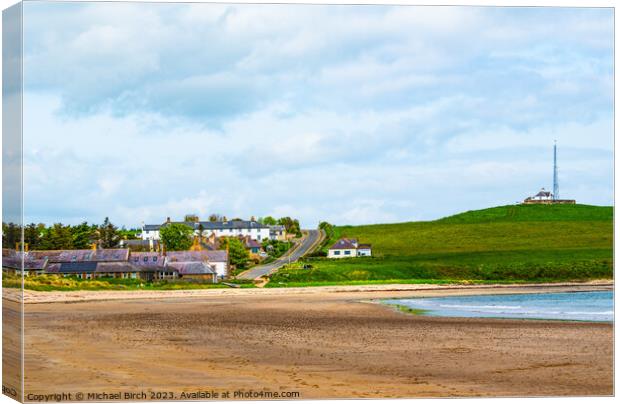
(479, 307)
(580, 306)
(598, 313)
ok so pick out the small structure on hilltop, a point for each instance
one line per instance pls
(546, 197)
(349, 247)
(540, 197)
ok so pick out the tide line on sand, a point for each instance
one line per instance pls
(36, 297)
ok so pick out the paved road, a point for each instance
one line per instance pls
(308, 243)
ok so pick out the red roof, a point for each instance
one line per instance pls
(108, 254)
(147, 259)
(252, 244)
(344, 244)
(194, 256)
(191, 268)
(114, 267)
(8, 252)
(16, 263)
(187, 256)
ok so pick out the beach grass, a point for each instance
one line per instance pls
(48, 283)
(520, 243)
(409, 310)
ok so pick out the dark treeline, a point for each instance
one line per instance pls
(106, 235)
(61, 237)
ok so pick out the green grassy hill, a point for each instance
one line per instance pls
(507, 243)
(533, 213)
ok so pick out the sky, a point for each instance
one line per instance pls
(350, 114)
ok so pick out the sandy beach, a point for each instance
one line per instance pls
(317, 342)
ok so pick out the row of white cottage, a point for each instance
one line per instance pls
(233, 228)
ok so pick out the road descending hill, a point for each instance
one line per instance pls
(506, 243)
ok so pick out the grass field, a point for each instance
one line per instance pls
(518, 243)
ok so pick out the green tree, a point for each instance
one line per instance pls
(328, 228)
(57, 237)
(108, 234)
(291, 225)
(84, 235)
(276, 248)
(268, 221)
(215, 217)
(32, 235)
(128, 234)
(11, 234)
(237, 254)
(192, 218)
(176, 236)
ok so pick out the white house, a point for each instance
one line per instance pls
(364, 250)
(541, 196)
(277, 232)
(150, 231)
(349, 247)
(217, 259)
(230, 228)
(251, 228)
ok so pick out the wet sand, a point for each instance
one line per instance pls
(320, 343)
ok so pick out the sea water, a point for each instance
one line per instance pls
(580, 306)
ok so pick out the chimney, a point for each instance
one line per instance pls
(253, 219)
(227, 255)
(168, 220)
(93, 246)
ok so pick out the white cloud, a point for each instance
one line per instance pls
(584, 136)
(348, 113)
